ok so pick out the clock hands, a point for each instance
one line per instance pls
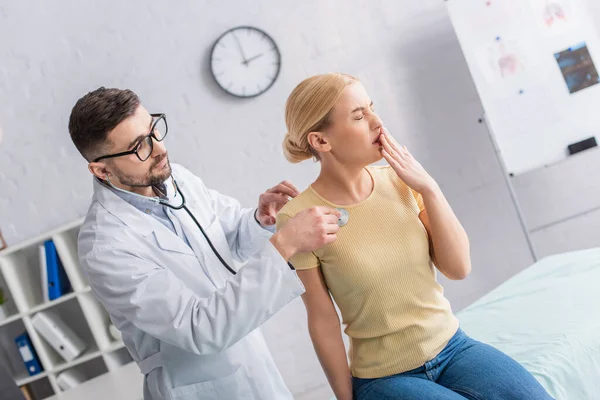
(246, 62)
(240, 47)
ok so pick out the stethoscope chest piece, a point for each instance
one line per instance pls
(343, 219)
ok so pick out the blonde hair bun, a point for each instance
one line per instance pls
(307, 110)
(294, 153)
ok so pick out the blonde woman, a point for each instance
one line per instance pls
(405, 342)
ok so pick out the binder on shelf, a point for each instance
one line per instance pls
(44, 272)
(58, 282)
(28, 354)
(58, 335)
(70, 379)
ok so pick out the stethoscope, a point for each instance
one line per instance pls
(182, 205)
(343, 220)
(179, 207)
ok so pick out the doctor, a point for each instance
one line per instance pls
(158, 249)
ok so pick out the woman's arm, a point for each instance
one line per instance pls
(451, 250)
(325, 331)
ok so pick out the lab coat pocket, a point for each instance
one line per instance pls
(233, 387)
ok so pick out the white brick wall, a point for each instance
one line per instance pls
(404, 51)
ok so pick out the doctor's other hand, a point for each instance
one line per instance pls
(309, 230)
(270, 202)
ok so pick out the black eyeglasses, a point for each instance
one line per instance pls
(144, 147)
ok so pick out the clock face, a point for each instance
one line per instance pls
(245, 61)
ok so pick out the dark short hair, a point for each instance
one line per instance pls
(95, 115)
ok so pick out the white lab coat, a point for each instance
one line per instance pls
(189, 323)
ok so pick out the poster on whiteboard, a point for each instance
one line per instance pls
(553, 17)
(534, 65)
(502, 60)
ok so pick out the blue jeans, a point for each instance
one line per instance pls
(465, 369)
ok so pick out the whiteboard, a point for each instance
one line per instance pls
(520, 54)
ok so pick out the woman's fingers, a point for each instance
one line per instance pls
(391, 160)
(391, 140)
(400, 158)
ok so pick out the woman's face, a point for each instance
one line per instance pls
(352, 136)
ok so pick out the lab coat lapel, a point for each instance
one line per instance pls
(142, 223)
(210, 264)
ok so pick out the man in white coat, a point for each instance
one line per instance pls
(158, 249)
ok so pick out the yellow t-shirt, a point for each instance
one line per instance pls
(380, 274)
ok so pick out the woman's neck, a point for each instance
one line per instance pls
(343, 185)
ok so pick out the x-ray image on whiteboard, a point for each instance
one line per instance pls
(577, 67)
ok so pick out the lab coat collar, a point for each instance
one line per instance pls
(134, 218)
(121, 209)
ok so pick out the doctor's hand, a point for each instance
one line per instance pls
(404, 164)
(308, 231)
(270, 202)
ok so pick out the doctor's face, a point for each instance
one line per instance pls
(129, 170)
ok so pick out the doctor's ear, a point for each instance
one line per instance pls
(318, 142)
(99, 170)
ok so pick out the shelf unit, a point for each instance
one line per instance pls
(20, 277)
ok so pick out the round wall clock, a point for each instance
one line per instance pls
(245, 61)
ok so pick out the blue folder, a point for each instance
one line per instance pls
(28, 354)
(58, 282)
